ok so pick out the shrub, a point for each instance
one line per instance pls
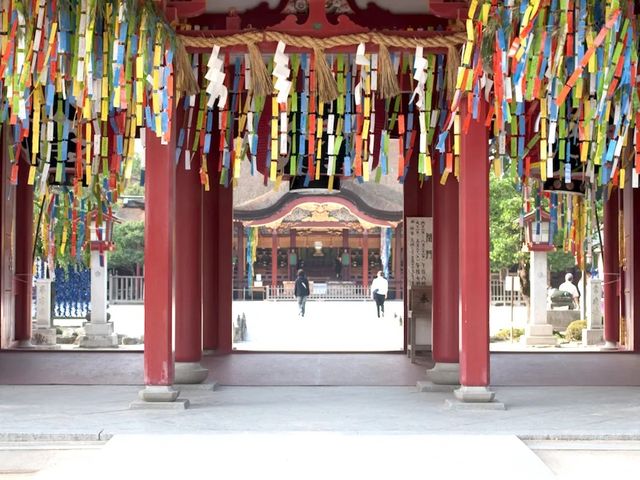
(574, 330)
(504, 334)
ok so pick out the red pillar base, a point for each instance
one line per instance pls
(444, 373)
(159, 397)
(190, 372)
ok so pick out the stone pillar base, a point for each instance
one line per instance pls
(539, 335)
(434, 387)
(592, 336)
(98, 335)
(610, 346)
(474, 394)
(190, 372)
(444, 374)
(45, 337)
(23, 344)
(159, 393)
(159, 397)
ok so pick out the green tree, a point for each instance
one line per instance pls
(505, 204)
(133, 186)
(129, 247)
(560, 261)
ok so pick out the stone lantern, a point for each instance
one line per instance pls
(538, 241)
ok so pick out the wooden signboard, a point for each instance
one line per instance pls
(419, 282)
(419, 251)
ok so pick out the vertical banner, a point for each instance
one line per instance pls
(385, 249)
(252, 245)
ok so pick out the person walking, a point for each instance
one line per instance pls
(301, 291)
(379, 289)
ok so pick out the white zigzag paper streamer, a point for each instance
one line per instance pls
(361, 61)
(283, 86)
(216, 75)
(420, 75)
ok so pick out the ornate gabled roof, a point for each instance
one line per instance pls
(383, 200)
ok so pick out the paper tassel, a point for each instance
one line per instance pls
(261, 84)
(388, 85)
(326, 84)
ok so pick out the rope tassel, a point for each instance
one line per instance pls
(326, 84)
(261, 84)
(388, 81)
(185, 79)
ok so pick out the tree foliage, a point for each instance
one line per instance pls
(505, 233)
(505, 238)
(129, 247)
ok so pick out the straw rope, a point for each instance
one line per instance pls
(186, 80)
(305, 41)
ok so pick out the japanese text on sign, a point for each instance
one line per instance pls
(419, 251)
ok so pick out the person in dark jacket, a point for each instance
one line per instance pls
(301, 291)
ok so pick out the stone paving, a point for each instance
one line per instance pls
(339, 429)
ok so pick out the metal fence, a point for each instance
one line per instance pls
(125, 289)
(501, 296)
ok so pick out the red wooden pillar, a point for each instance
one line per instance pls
(365, 258)
(225, 267)
(445, 339)
(24, 256)
(611, 271)
(293, 266)
(210, 268)
(417, 203)
(632, 253)
(188, 279)
(158, 272)
(274, 258)
(474, 260)
(346, 270)
(397, 255)
(242, 256)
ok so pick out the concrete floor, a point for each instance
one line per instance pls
(372, 432)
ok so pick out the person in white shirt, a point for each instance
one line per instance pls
(379, 289)
(568, 286)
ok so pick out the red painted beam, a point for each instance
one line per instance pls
(446, 290)
(449, 10)
(158, 272)
(188, 8)
(270, 46)
(611, 269)
(474, 252)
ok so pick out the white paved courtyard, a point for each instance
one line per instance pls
(327, 326)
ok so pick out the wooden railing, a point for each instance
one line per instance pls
(125, 289)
